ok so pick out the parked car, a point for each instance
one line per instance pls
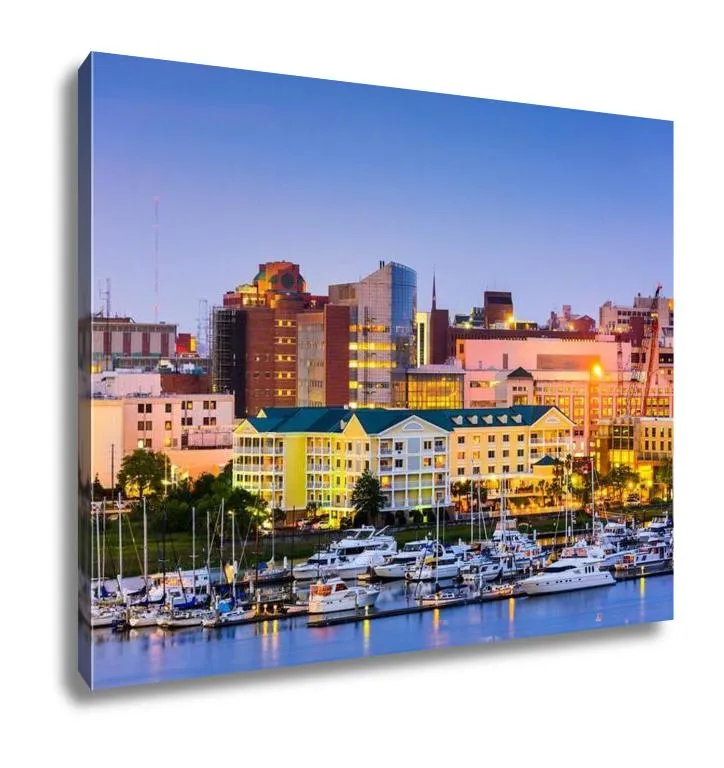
(632, 500)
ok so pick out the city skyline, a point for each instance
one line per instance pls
(252, 167)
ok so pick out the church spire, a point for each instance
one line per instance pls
(434, 296)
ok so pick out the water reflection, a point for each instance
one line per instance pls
(149, 654)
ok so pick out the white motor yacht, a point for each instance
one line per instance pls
(364, 539)
(359, 564)
(335, 595)
(434, 568)
(411, 554)
(568, 574)
(647, 558)
(318, 566)
(181, 619)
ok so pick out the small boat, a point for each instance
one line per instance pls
(106, 617)
(229, 618)
(566, 575)
(144, 618)
(435, 568)
(181, 619)
(335, 595)
(445, 597)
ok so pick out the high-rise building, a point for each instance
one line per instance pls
(382, 331)
(497, 308)
(323, 356)
(255, 338)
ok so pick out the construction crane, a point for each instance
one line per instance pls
(642, 372)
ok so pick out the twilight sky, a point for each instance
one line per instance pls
(558, 206)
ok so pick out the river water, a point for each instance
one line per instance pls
(152, 655)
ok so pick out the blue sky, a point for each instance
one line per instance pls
(558, 206)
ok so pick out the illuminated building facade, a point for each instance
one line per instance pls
(382, 332)
(294, 457)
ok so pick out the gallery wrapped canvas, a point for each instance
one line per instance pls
(363, 371)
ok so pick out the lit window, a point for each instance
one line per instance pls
(167, 426)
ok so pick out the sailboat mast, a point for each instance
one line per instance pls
(98, 548)
(120, 544)
(233, 556)
(208, 555)
(221, 545)
(471, 514)
(145, 549)
(193, 545)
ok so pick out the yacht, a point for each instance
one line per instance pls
(435, 567)
(359, 564)
(106, 617)
(658, 528)
(616, 532)
(411, 554)
(568, 574)
(652, 557)
(318, 566)
(334, 595)
(445, 597)
(359, 540)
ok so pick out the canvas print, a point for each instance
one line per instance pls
(363, 371)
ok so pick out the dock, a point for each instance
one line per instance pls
(322, 620)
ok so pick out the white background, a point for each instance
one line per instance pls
(634, 697)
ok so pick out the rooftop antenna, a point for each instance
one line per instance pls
(155, 258)
(434, 295)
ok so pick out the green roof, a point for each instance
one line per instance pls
(546, 461)
(377, 420)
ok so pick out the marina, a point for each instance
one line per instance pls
(150, 655)
(430, 594)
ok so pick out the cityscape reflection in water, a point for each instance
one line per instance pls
(153, 655)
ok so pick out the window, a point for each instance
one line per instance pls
(669, 446)
(461, 455)
(212, 421)
(141, 408)
(521, 452)
(476, 470)
(521, 438)
(168, 408)
(141, 426)
(491, 454)
(212, 405)
(519, 468)
(461, 439)
(491, 469)
(398, 463)
(206, 405)
(476, 455)
(147, 442)
(506, 454)
(398, 446)
(427, 445)
(167, 442)
(646, 445)
(149, 425)
(206, 421)
(461, 470)
(427, 461)
(167, 426)
(149, 408)
(491, 438)
(506, 468)
(506, 438)
(187, 421)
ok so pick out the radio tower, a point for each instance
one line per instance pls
(155, 258)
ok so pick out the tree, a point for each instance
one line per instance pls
(99, 491)
(665, 476)
(143, 472)
(619, 478)
(367, 498)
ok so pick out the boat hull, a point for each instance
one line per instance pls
(548, 585)
(344, 602)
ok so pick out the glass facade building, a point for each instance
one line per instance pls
(382, 332)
